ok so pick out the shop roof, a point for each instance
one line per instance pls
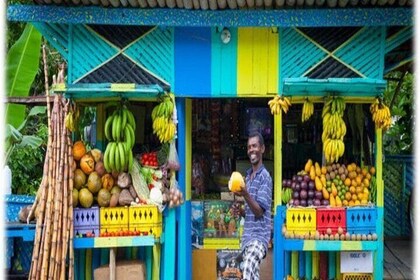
(232, 4)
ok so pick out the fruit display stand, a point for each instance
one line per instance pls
(259, 54)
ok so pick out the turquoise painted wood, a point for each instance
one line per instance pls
(223, 63)
(81, 262)
(297, 54)
(148, 261)
(364, 52)
(89, 51)
(56, 35)
(399, 38)
(331, 264)
(308, 265)
(184, 252)
(193, 61)
(169, 246)
(104, 256)
(96, 259)
(287, 263)
(155, 51)
(239, 17)
(278, 256)
(378, 258)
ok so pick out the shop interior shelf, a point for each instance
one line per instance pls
(331, 245)
(109, 242)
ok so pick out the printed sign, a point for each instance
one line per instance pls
(229, 265)
(357, 261)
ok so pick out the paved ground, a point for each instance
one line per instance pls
(398, 261)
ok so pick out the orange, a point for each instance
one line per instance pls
(360, 196)
(359, 189)
(359, 180)
(364, 202)
(354, 197)
(352, 189)
(357, 202)
(345, 202)
(358, 170)
(351, 203)
(372, 170)
(368, 176)
(354, 183)
(364, 171)
(347, 182)
(365, 182)
(348, 195)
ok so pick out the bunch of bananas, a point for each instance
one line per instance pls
(163, 124)
(279, 103)
(286, 195)
(307, 110)
(120, 131)
(334, 128)
(381, 114)
(71, 120)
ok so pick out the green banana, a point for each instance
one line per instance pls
(133, 136)
(124, 118)
(106, 160)
(111, 156)
(130, 161)
(127, 136)
(108, 123)
(131, 119)
(121, 152)
(114, 127)
(117, 158)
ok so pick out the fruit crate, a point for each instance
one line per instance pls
(357, 276)
(333, 218)
(16, 202)
(86, 220)
(113, 219)
(21, 261)
(361, 220)
(301, 220)
(145, 218)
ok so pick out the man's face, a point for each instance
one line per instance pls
(255, 150)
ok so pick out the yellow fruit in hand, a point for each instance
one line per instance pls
(236, 182)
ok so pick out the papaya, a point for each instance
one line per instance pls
(332, 201)
(338, 201)
(324, 170)
(312, 173)
(323, 180)
(325, 193)
(236, 182)
(317, 169)
(318, 184)
(308, 165)
(334, 190)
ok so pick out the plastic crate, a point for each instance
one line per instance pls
(113, 219)
(145, 218)
(301, 220)
(9, 252)
(333, 218)
(86, 220)
(361, 220)
(16, 202)
(21, 261)
(357, 276)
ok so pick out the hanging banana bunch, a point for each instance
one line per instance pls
(163, 118)
(277, 104)
(334, 128)
(71, 120)
(381, 114)
(307, 110)
(120, 132)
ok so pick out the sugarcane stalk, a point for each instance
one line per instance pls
(50, 197)
(56, 233)
(45, 181)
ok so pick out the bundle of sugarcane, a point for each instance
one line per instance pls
(52, 255)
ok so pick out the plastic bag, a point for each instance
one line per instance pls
(175, 195)
(173, 160)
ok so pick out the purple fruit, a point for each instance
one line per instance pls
(318, 195)
(295, 194)
(284, 183)
(293, 185)
(310, 202)
(325, 202)
(296, 202)
(289, 183)
(304, 185)
(297, 187)
(317, 202)
(311, 194)
(294, 178)
(306, 178)
(311, 185)
(303, 203)
(303, 194)
(299, 178)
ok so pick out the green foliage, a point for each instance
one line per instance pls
(26, 161)
(399, 139)
(22, 66)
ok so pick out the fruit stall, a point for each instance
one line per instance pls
(175, 93)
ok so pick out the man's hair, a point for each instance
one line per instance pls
(257, 134)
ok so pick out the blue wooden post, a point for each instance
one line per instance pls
(301, 264)
(148, 262)
(278, 258)
(287, 263)
(169, 246)
(184, 256)
(378, 259)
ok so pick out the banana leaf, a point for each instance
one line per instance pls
(21, 67)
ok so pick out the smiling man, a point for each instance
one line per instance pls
(258, 197)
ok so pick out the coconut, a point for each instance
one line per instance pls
(115, 189)
(96, 154)
(100, 168)
(104, 197)
(79, 179)
(87, 164)
(75, 197)
(94, 183)
(85, 198)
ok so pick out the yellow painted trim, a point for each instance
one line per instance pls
(244, 67)
(188, 147)
(273, 61)
(378, 160)
(156, 262)
(277, 160)
(321, 99)
(329, 54)
(309, 245)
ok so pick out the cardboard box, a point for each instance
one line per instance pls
(124, 270)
